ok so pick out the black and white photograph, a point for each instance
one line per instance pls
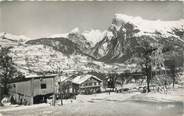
(91, 58)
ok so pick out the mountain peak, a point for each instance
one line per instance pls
(125, 32)
(144, 25)
(75, 30)
(94, 35)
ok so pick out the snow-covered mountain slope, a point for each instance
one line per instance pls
(127, 32)
(13, 37)
(42, 58)
(74, 51)
(8, 39)
(70, 43)
(33, 57)
(65, 35)
(94, 36)
(63, 45)
(91, 37)
(76, 37)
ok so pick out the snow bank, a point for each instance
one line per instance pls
(170, 96)
(105, 97)
(15, 108)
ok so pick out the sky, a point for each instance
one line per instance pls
(40, 19)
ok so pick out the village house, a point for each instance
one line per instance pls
(87, 84)
(66, 87)
(32, 89)
(82, 84)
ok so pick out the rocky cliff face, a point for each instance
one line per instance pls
(126, 33)
(117, 44)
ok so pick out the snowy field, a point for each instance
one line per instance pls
(115, 104)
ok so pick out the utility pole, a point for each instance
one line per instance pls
(32, 91)
(60, 88)
(1, 93)
(54, 92)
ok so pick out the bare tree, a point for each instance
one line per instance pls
(175, 52)
(58, 67)
(149, 56)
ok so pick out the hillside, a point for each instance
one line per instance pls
(115, 50)
(8, 39)
(44, 59)
(70, 43)
(127, 32)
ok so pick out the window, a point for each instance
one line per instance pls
(94, 83)
(43, 86)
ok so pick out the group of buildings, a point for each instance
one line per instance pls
(33, 89)
(38, 88)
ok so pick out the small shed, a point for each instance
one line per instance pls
(33, 89)
(87, 84)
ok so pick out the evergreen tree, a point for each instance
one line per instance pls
(7, 69)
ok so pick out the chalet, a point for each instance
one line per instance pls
(87, 84)
(67, 88)
(33, 89)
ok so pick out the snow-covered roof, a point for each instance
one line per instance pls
(63, 78)
(36, 76)
(82, 78)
